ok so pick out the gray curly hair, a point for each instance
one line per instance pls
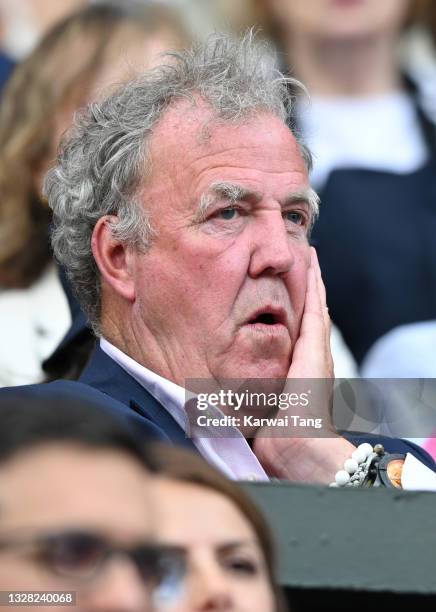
(104, 161)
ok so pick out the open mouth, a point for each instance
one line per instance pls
(268, 317)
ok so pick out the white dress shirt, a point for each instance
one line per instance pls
(232, 456)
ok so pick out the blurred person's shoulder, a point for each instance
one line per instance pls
(32, 323)
(406, 351)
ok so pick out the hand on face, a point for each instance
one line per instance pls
(312, 356)
(298, 457)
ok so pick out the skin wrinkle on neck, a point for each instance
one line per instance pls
(161, 359)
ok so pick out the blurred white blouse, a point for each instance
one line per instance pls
(32, 323)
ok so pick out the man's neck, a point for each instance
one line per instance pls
(347, 67)
(163, 356)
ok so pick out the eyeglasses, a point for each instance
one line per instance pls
(80, 556)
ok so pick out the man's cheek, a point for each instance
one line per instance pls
(300, 271)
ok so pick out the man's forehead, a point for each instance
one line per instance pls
(192, 127)
(183, 117)
(191, 149)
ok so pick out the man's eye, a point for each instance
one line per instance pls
(295, 217)
(227, 213)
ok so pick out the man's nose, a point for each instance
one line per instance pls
(271, 248)
(118, 589)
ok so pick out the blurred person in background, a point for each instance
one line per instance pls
(225, 540)
(76, 61)
(6, 67)
(76, 507)
(25, 22)
(224, 15)
(6, 62)
(88, 508)
(408, 351)
(374, 160)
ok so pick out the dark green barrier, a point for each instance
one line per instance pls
(378, 540)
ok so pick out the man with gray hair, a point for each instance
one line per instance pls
(182, 209)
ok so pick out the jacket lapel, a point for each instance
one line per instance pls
(105, 374)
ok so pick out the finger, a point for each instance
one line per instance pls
(313, 302)
(326, 317)
(315, 265)
(312, 324)
(311, 355)
(321, 290)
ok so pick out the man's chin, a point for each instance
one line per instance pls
(250, 358)
(259, 369)
(265, 356)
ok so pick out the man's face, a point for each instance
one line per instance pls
(221, 291)
(57, 489)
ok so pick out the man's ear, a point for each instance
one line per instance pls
(113, 258)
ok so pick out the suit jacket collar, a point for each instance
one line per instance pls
(105, 374)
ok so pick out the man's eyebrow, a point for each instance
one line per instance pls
(307, 195)
(224, 191)
(233, 193)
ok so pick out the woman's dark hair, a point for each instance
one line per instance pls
(63, 66)
(425, 13)
(27, 421)
(183, 466)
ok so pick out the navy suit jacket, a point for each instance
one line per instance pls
(375, 240)
(106, 384)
